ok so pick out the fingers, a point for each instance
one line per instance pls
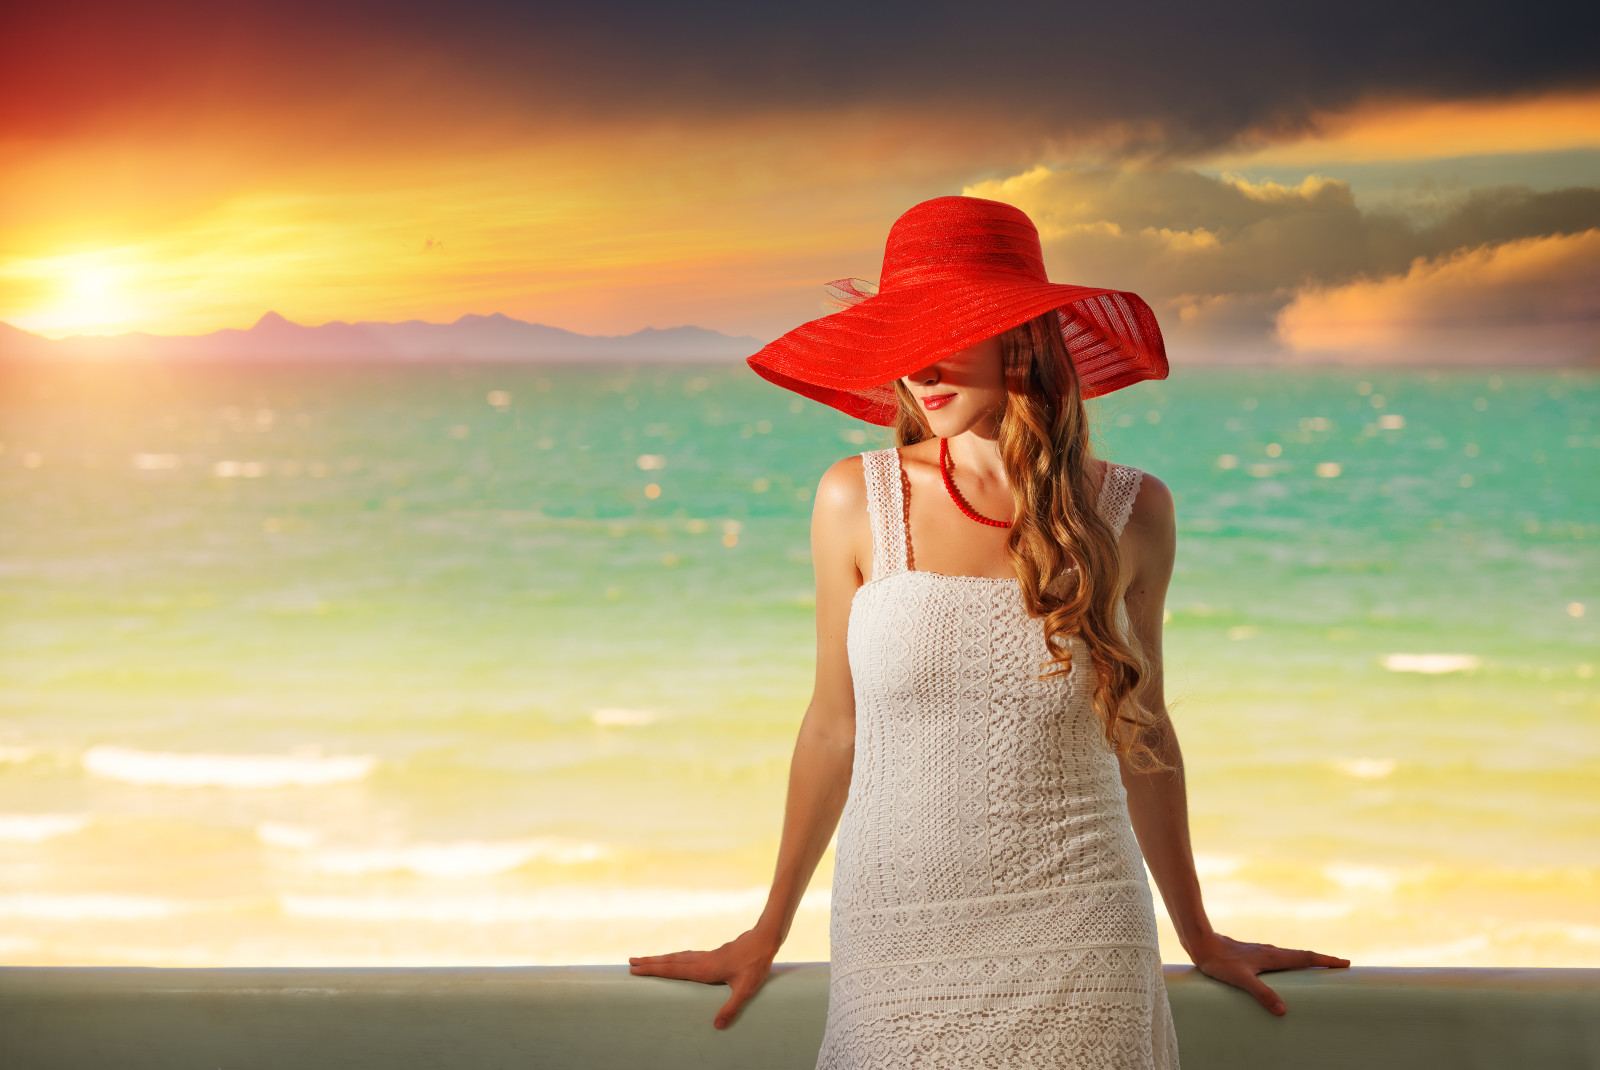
(672, 965)
(679, 971)
(730, 1009)
(1284, 958)
(675, 956)
(708, 968)
(1264, 995)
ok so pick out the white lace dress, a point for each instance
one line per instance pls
(990, 906)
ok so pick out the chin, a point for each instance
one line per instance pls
(951, 420)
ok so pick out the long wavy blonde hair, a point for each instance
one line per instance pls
(1065, 555)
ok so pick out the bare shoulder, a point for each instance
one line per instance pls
(841, 539)
(842, 491)
(1152, 530)
(1153, 508)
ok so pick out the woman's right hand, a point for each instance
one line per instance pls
(742, 964)
(819, 774)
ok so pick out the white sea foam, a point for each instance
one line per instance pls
(616, 716)
(1207, 865)
(1365, 768)
(463, 858)
(1359, 878)
(450, 861)
(1237, 899)
(1450, 953)
(41, 906)
(1431, 664)
(152, 768)
(238, 469)
(570, 903)
(289, 837)
(36, 828)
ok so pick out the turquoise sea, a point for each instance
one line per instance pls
(491, 664)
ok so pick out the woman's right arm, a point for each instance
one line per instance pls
(819, 773)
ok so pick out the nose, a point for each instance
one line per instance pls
(927, 376)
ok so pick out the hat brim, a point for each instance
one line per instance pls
(851, 359)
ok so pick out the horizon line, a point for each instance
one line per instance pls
(271, 313)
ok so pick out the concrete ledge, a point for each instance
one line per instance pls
(598, 1017)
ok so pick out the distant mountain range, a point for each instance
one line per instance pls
(470, 338)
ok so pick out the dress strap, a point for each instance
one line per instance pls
(886, 507)
(1117, 493)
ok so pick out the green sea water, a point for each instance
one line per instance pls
(504, 664)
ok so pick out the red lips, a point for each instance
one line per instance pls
(936, 401)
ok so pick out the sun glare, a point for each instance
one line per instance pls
(77, 293)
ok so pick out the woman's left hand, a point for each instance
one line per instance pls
(1237, 963)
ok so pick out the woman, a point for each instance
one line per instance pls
(988, 730)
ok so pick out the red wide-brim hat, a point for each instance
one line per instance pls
(957, 270)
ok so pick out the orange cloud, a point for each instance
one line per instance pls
(1385, 130)
(1533, 301)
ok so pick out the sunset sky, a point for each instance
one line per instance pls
(1289, 179)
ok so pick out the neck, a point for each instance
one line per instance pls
(976, 452)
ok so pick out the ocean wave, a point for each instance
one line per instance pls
(1238, 899)
(1431, 664)
(40, 906)
(1460, 952)
(622, 717)
(249, 771)
(572, 903)
(1362, 878)
(1365, 768)
(465, 858)
(1209, 865)
(288, 837)
(36, 828)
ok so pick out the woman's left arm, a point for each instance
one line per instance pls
(1157, 801)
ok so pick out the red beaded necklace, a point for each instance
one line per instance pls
(945, 468)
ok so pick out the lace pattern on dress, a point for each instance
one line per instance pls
(990, 905)
(886, 510)
(1117, 494)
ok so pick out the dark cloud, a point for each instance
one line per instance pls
(1219, 259)
(1175, 231)
(1507, 213)
(1175, 76)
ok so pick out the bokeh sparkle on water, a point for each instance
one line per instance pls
(504, 664)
